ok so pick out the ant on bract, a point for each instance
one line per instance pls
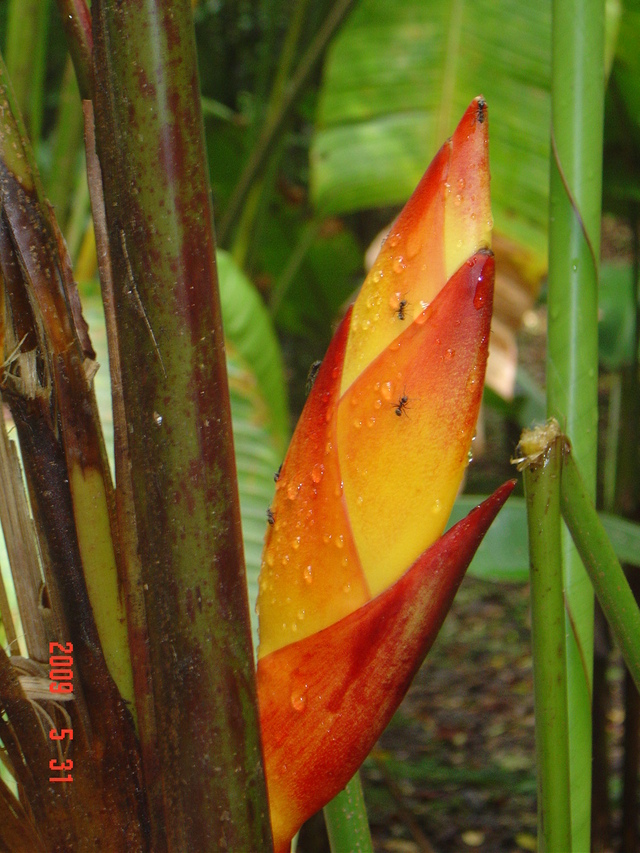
(401, 406)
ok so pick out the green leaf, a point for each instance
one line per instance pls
(503, 556)
(396, 80)
(248, 326)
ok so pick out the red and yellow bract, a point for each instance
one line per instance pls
(356, 576)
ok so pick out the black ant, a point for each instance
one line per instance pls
(400, 309)
(270, 516)
(402, 405)
(311, 377)
(276, 476)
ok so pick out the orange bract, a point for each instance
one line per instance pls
(356, 576)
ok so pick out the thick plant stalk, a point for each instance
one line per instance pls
(542, 490)
(572, 361)
(209, 792)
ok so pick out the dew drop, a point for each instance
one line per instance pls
(326, 538)
(317, 472)
(296, 543)
(301, 615)
(299, 696)
(328, 448)
(292, 491)
(399, 265)
(270, 560)
(449, 354)
(157, 419)
(335, 372)
(357, 423)
(371, 421)
(339, 541)
(457, 200)
(460, 184)
(436, 508)
(393, 240)
(346, 588)
(307, 574)
(386, 390)
(359, 500)
(480, 296)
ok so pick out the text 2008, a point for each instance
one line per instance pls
(61, 681)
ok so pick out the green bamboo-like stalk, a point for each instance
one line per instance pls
(346, 819)
(572, 360)
(542, 490)
(205, 781)
(611, 586)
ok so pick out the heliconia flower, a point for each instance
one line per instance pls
(356, 576)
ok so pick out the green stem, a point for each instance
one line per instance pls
(606, 574)
(277, 119)
(572, 360)
(542, 490)
(346, 819)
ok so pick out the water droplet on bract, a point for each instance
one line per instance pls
(377, 404)
(371, 421)
(340, 541)
(480, 296)
(301, 615)
(338, 489)
(460, 184)
(299, 696)
(436, 508)
(270, 560)
(292, 491)
(335, 372)
(359, 500)
(357, 423)
(307, 575)
(346, 588)
(326, 538)
(399, 265)
(157, 419)
(469, 456)
(366, 324)
(393, 240)
(449, 354)
(317, 472)
(296, 543)
(386, 390)
(328, 448)
(376, 276)
(457, 200)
